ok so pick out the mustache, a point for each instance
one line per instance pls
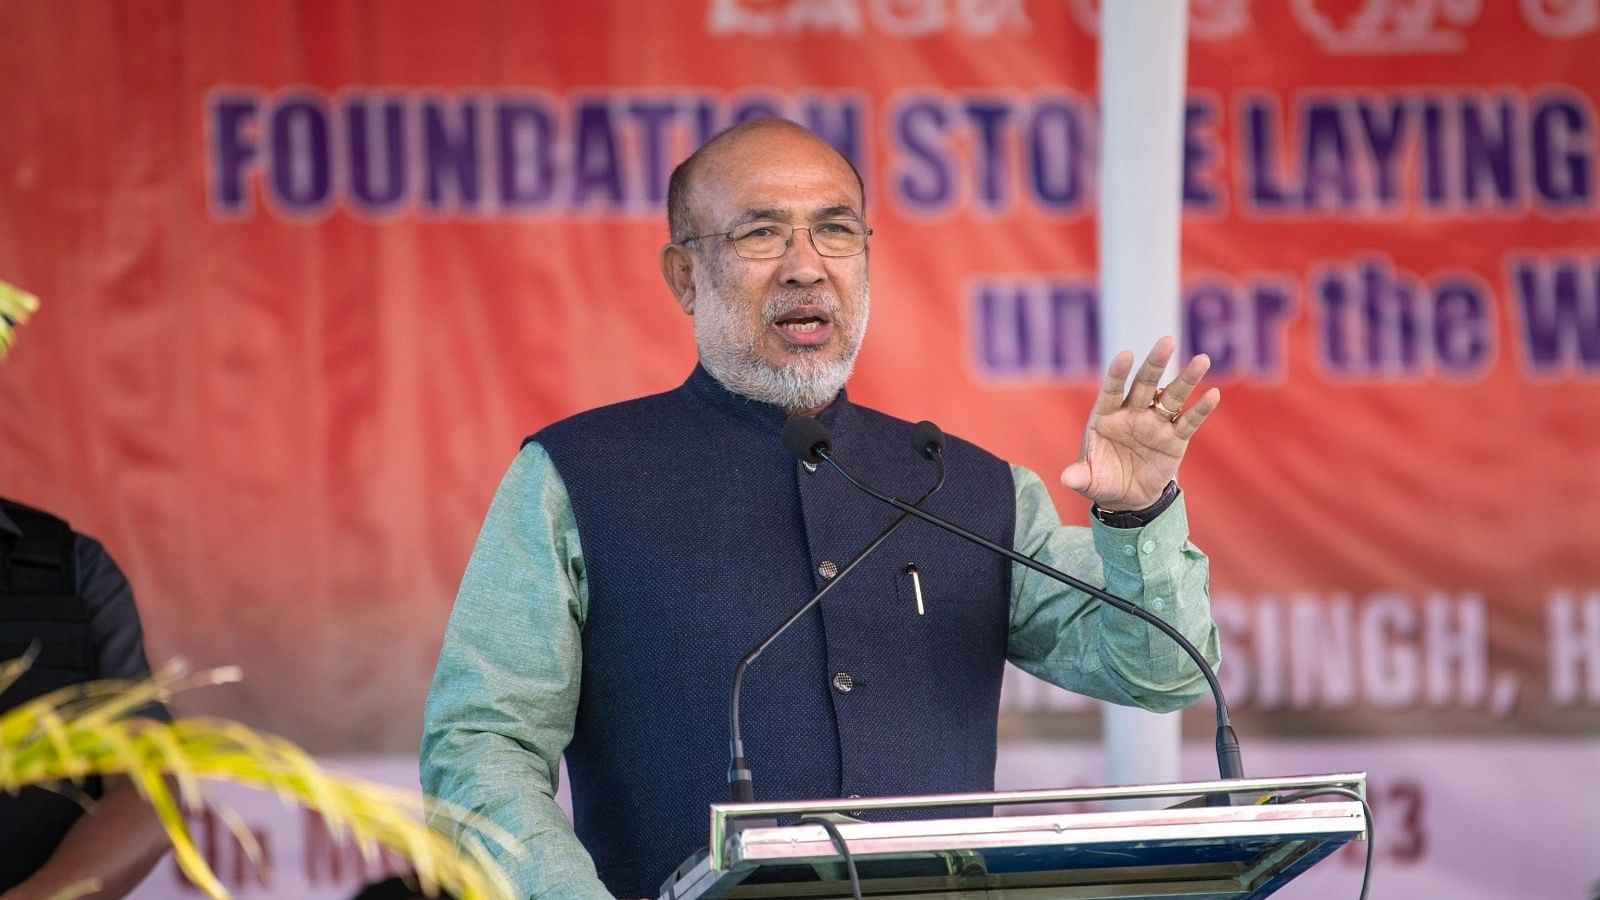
(791, 300)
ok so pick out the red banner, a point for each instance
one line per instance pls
(310, 270)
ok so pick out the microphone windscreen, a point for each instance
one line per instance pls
(803, 436)
(927, 438)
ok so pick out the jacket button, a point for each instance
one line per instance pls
(827, 569)
(843, 683)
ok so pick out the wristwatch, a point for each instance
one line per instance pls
(1137, 518)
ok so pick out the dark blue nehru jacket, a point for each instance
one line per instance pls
(700, 533)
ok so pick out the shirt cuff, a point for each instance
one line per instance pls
(1141, 552)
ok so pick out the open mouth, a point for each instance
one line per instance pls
(804, 325)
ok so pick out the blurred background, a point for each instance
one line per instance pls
(311, 270)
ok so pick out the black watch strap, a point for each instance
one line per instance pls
(1137, 518)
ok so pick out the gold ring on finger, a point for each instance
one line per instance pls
(1155, 403)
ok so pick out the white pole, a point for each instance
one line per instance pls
(1142, 74)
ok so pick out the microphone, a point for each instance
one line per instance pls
(926, 437)
(806, 438)
(803, 440)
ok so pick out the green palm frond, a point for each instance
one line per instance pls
(86, 730)
(16, 305)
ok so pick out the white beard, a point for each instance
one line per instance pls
(733, 358)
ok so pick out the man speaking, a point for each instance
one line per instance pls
(634, 553)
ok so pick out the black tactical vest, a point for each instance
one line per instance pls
(39, 606)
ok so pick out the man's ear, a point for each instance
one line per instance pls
(677, 267)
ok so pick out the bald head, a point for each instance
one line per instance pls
(731, 142)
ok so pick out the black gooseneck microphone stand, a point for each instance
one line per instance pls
(808, 440)
(927, 438)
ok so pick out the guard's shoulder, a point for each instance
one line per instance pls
(31, 520)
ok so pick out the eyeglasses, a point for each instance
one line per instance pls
(771, 240)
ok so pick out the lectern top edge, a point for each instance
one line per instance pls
(722, 814)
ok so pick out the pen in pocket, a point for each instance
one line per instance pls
(916, 585)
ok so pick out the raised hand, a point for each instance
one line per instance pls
(1132, 444)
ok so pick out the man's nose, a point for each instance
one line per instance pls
(802, 264)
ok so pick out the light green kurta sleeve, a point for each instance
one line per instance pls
(1074, 641)
(505, 694)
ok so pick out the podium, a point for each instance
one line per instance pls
(1188, 849)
